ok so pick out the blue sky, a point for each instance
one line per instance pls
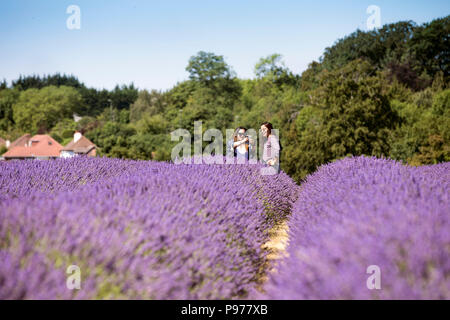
(150, 42)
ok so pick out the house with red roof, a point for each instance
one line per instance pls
(80, 145)
(22, 141)
(40, 146)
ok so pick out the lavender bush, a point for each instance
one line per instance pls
(136, 229)
(362, 211)
(20, 179)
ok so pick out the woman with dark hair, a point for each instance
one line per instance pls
(271, 147)
(239, 146)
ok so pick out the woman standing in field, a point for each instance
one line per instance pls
(240, 145)
(271, 147)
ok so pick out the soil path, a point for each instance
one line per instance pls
(277, 244)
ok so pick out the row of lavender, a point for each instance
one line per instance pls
(24, 179)
(136, 229)
(367, 228)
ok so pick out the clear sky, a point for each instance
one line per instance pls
(150, 42)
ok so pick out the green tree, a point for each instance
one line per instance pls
(122, 97)
(113, 139)
(205, 67)
(87, 123)
(377, 46)
(272, 68)
(3, 85)
(151, 146)
(354, 117)
(424, 134)
(147, 103)
(63, 131)
(38, 82)
(155, 124)
(94, 101)
(429, 46)
(38, 110)
(7, 99)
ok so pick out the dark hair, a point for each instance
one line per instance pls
(268, 125)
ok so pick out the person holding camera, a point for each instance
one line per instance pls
(240, 145)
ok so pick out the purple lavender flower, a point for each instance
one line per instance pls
(363, 211)
(136, 229)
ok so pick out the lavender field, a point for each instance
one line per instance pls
(136, 229)
(155, 230)
(361, 212)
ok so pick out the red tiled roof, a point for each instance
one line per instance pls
(38, 146)
(22, 141)
(83, 145)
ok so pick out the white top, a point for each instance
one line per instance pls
(241, 151)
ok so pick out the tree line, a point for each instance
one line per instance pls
(383, 92)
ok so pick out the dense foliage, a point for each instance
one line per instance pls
(136, 229)
(359, 212)
(383, 92)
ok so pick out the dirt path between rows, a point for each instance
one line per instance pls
(277, 244)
